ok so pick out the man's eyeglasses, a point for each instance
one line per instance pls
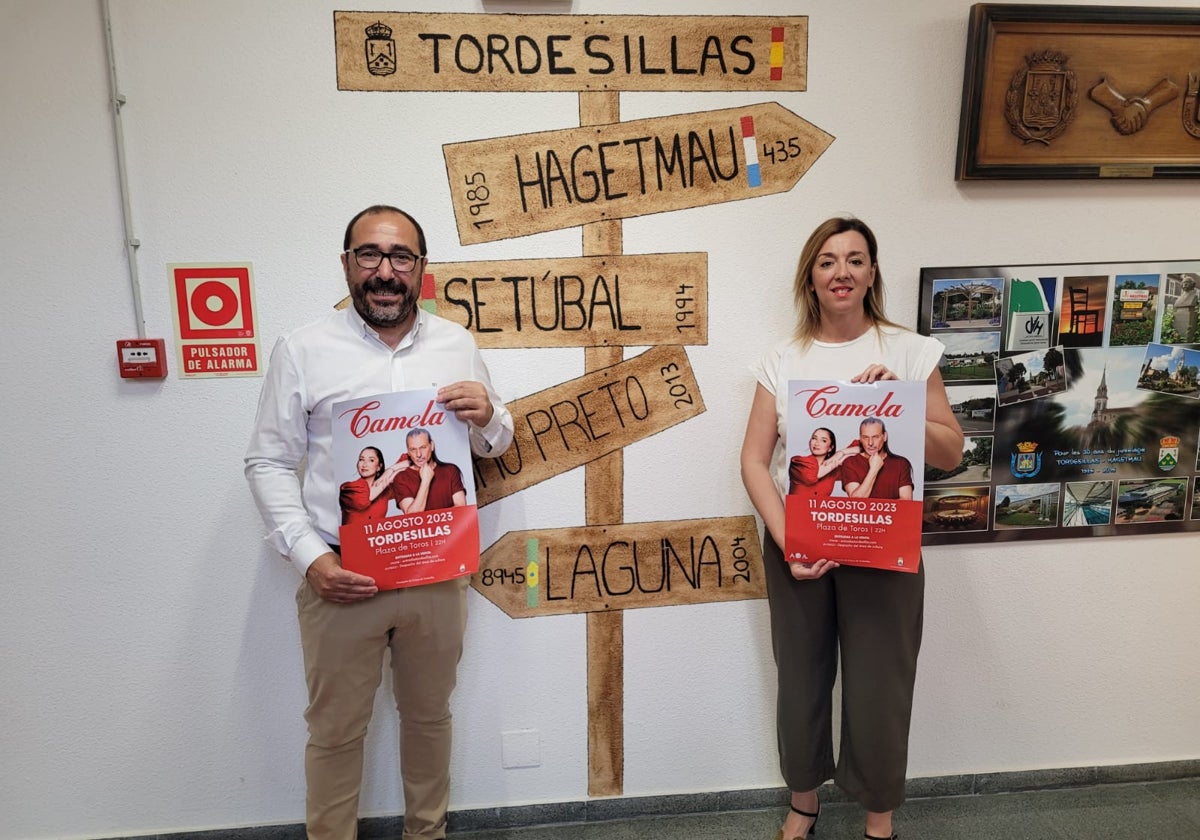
(372, 257)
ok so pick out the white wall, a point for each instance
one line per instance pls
(151, 675)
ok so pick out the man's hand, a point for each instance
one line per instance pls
(337, 585)
(469, 402)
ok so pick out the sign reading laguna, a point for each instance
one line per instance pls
(853, 494)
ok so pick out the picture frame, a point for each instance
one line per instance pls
(1077, 387)
(1080, 92)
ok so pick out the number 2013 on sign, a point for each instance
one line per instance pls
(677, 389)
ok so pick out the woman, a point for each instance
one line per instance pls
(363, 499)
(873, 615)
(817, 473)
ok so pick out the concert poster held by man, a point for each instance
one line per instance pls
(407, 492)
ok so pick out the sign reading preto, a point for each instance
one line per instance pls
(216, 326)
(512, 186)
(578, 421)
(493, 53)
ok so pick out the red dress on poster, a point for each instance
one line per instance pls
(357, 504)
(365, 499)
(804, 480)
(818, 473)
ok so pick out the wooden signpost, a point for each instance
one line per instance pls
(593, 177)
(511, 186)
(619, 567)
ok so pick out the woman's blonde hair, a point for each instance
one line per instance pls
(808, 309)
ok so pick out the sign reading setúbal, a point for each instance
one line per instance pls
(600, 301)
(591, 301)
(616, 567)
(492, 53)
(512, 186)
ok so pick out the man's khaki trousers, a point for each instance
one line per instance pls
(344, 646)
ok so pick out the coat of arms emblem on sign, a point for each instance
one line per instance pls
(1041, 98)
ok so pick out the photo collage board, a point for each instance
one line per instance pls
(1077, 387)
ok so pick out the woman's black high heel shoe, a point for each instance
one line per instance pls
(812, 829)
(873, 837)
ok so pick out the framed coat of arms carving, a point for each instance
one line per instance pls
(1080, 92)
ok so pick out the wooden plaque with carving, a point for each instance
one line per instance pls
(1080, 92)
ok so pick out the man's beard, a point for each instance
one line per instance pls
(389, 315)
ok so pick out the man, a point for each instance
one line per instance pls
(876, 472)
(383, 343)
(428, 484)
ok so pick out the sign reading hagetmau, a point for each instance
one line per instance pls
(617, 567)
(570, 424)
(597, 301)
(528, 183)
(480, 52)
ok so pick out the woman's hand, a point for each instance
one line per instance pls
(850, 451)
(874, 373)
(812, 571)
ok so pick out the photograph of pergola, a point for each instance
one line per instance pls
(958, 304)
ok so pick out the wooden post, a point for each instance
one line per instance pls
(604, 503)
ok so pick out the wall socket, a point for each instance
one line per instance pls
(520, 748)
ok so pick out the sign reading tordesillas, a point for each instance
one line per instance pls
(493, 53)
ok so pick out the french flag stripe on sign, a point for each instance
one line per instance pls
(750, 147)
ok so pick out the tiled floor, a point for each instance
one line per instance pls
(1168, 810)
